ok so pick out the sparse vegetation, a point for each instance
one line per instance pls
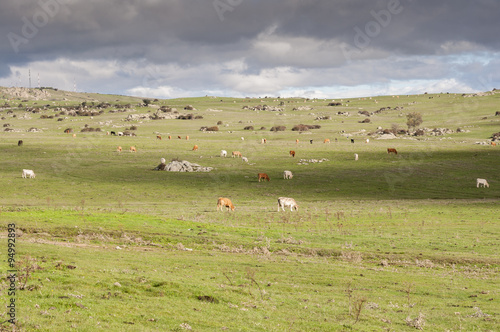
(397, 243)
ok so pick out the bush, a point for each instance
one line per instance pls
(248, 128)
(365, 121)
(278, 128)
(214, 128)
(303, 127)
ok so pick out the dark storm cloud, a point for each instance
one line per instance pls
(301, 34)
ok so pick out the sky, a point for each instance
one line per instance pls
(251, 48)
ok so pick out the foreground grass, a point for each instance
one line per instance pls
(351, 269)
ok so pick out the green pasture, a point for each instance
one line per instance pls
(388, 242)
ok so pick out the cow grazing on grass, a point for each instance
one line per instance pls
(492, 143)
(223, 153)
(158, 137)
(20, 142)
(352, 140)
(392, 150)
(263, 176)
(287, 175)
(74, 135)
(179, 137)
(311, 141)
(245, 159)
(169, 137)
(28, 173)
(483, 182)
(119, 133)
(187, 138)
(119, 149)
(297, 141)
(292, 153)
(195, 147)
(327, 140)
(367, 140)
(287, 202)
(355, 156)
(224, 202)
(236, 154)
(113, 133)
(133, 149)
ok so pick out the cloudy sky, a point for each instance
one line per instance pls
(310, 48)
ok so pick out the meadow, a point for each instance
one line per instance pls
(386, 243)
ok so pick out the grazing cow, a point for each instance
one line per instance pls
(327, 140)
(20, 142)
(483, 182)
(119, 149)
(492, 143)
(297, 141)
(311, 141)
(355, 156)
(223, 153)
(497, 113)
(158, 137)
(292, 153)
(245, 159)
(28, 172)
(120, 133)
(262, 141)
(195, 147)
(236, 154)
(287, 175)
(179, 137)
(352, 140)
(113, 133)
(264, 176)
(74, 135)
(285, 202)
(187, 138)
(392, 150)
(133, 149)
(224, 202)
(367, 140)
(169, 137)
(242, 138)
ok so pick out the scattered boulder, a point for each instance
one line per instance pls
(182, 166)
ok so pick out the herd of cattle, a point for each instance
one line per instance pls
(226, 202)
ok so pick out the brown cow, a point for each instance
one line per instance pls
(224, 202)
(195, 147)
(236, 154)
(133, 149)
(158, 137)
(327, 140)
(264, 176)
(119, 149)
(292, 153)
(493, 144)
(297, 141)
(187, 138)
(169, 137)
(179, 137)
(392, 150)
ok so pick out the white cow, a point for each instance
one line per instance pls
(287, 175)
(28, 172)
(245, 159)
(285, 202)
(355, 156)
(483, 182)
(223, 153)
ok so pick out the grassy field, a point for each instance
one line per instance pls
(386, 243)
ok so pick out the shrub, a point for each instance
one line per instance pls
(214, 128)
(335, 104)
(248, 128)
(278, 128)
(365, 121)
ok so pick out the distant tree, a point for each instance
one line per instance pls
(414, 120)
(146, 102)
